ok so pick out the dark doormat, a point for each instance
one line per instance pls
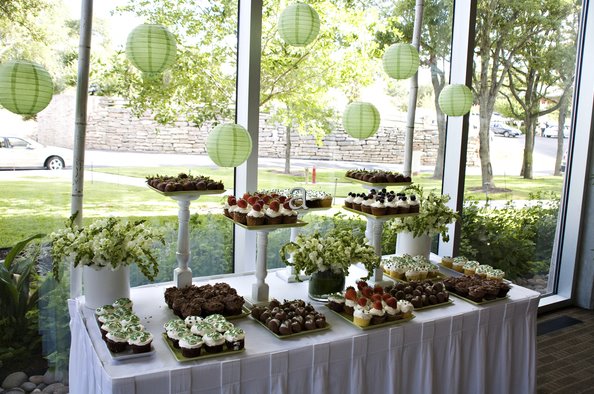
(555, 324)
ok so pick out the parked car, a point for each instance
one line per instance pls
(505, 130)
(553, 131)
(21, 152)
(564, 161)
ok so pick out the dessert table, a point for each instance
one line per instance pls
(458, 348)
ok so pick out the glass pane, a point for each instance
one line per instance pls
(523, 84)
(305, 90)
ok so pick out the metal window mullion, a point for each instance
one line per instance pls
(247, 114)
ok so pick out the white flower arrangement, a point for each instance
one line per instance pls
(433, 217)
(109, 243)
(336, 251)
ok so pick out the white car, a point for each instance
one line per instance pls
(553, 131)
(20, 152)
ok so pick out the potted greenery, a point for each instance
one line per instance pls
(327, 259)
(415, 232)
(106, 248)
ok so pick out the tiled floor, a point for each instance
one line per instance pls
(565, 357)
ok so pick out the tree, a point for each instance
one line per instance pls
(435, 40)
(295, 82)
(531, 78)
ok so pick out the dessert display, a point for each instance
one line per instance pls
(289, 318)
(367, 306)
(121, 330)
(204, 300)
(409, 268)
(260, 209)
(381, 202)
(421, 294)
(183, 182)
(197, 337)
(378, 176)
(477, 289)
(470, 267)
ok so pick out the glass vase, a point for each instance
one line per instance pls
(324, 283)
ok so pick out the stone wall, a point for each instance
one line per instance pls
(110, 126)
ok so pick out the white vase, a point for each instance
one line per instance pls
(407, 243)
(103, 286)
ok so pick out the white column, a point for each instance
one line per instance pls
(454, 168)
(248, 103)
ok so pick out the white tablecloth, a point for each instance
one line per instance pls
(461, 348)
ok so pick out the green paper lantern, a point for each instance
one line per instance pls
(229, 145)
(298, 24)
(401, 61)
(361, 120)
(151, 48)
(26, 88)
(455, 100)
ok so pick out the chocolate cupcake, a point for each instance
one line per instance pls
(235, 339)
(213, 342)
(140, 341)
(476, 293)
(190, 345)
(212, 307)
(233, 305)
(117, 341)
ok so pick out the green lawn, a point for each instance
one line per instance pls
(31, 205)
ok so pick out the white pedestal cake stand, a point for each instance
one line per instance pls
(182, 275)
(375, 227)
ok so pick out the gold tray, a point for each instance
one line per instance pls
(349, 318)
(386, 217)
(482, 302)
(380, 185)
(299, 223)
(177, 354)
(298, 334)
(197, 193)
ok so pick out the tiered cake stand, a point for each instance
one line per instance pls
(375, 226)
(182, 275)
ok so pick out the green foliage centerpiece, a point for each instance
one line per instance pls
(327, 259)
(106, 248)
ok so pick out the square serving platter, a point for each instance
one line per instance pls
(349, 319)
(127, 354)
(479, 303)
(298, 334)
(188, 192)
(299, 223)
(384, 217)
(177, 354)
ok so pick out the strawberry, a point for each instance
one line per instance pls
(378, 305)
(350, 293)
(252, 200)
(367, 292)
(385, 296)
(274, 205)
(274, 195)
(261, 202)
(378, 289)
(267, 199)
(257, 207)
(362, 302)
(287, 206)
(392, 302)
(282, 199)
(361, 284)
(376, 297)
(246, 196)
(242, 203)
(229, 199)
(232, 201)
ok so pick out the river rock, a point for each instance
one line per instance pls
(63, 390)
(15, 391)
(53, 388)
(37, 379)
(28, 386)
(49, 377)
(15, 379)
(35, 391)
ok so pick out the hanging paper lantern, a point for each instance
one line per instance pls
(229, 145)
(151, 48)
(401, 61)
(361, 120)
(298, 24)
(455, 100)
(26, 88)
